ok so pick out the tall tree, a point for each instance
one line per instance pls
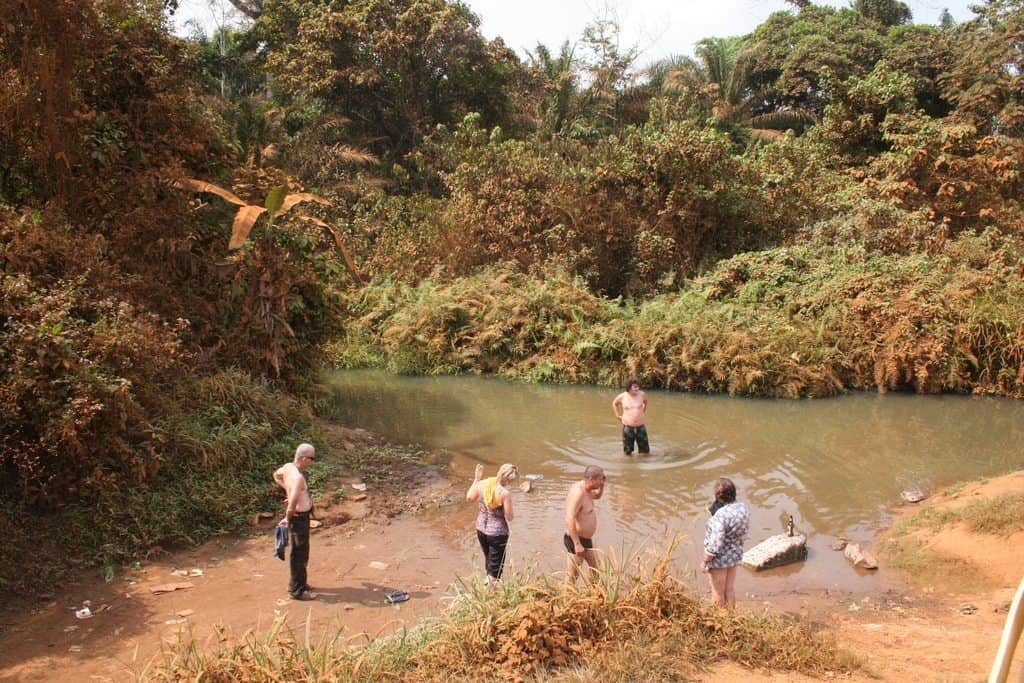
(559, 84)
(885, 12)
(986, 82)
(795, 56)
(607, 69)
(396, 68)
(719, 81)
(946, 20)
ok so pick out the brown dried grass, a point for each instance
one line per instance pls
(635, 617)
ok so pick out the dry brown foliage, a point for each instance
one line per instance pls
(637, 616)
(595, 626)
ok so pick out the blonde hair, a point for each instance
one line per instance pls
(507, 472)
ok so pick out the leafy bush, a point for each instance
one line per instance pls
(628, 215)
(81, 381)
(796, 321)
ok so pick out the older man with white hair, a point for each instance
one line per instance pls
(299, 508)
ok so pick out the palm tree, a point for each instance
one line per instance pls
(719, 80)
(559, 75)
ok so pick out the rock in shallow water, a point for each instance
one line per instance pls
(776, 551)
(912, 495)
(860, 557)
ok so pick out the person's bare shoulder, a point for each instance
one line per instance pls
(575, 493)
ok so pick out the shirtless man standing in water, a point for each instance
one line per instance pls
(291, 478)
(581, 520)
(630, 408)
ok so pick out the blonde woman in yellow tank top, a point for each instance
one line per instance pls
(495, 512)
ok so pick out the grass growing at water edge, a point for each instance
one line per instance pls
(1001, 515)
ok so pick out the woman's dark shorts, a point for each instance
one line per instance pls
(637, 434)
(587, 543)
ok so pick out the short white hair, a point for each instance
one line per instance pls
(304, 450)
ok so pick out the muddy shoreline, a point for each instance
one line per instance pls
(369, 545)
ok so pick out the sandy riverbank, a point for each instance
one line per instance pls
(363, 548)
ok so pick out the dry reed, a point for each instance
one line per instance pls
(533, 628)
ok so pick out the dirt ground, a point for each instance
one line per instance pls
(925, 632)
(932, 630)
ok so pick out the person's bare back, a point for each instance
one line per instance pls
(291, 479)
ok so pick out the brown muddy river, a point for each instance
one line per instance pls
(837, 465)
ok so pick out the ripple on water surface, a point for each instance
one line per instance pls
(836, 465)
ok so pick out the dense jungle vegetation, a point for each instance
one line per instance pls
(191, 228)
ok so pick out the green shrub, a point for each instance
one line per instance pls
(790, 322)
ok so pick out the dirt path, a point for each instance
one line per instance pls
(931, 632)
(366, 544)
(242, 587)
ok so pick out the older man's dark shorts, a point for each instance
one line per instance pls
(637, 434)
(587, 543)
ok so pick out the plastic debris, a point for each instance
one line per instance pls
(195, 571)
(84, 613)
(378, 565)
(396, 596)
(185, 613)
(359, 487)
(533, 477)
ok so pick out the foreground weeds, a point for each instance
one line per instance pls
(634, 618)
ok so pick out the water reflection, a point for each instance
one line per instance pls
(836, 465)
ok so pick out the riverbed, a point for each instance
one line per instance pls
(836, 465)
